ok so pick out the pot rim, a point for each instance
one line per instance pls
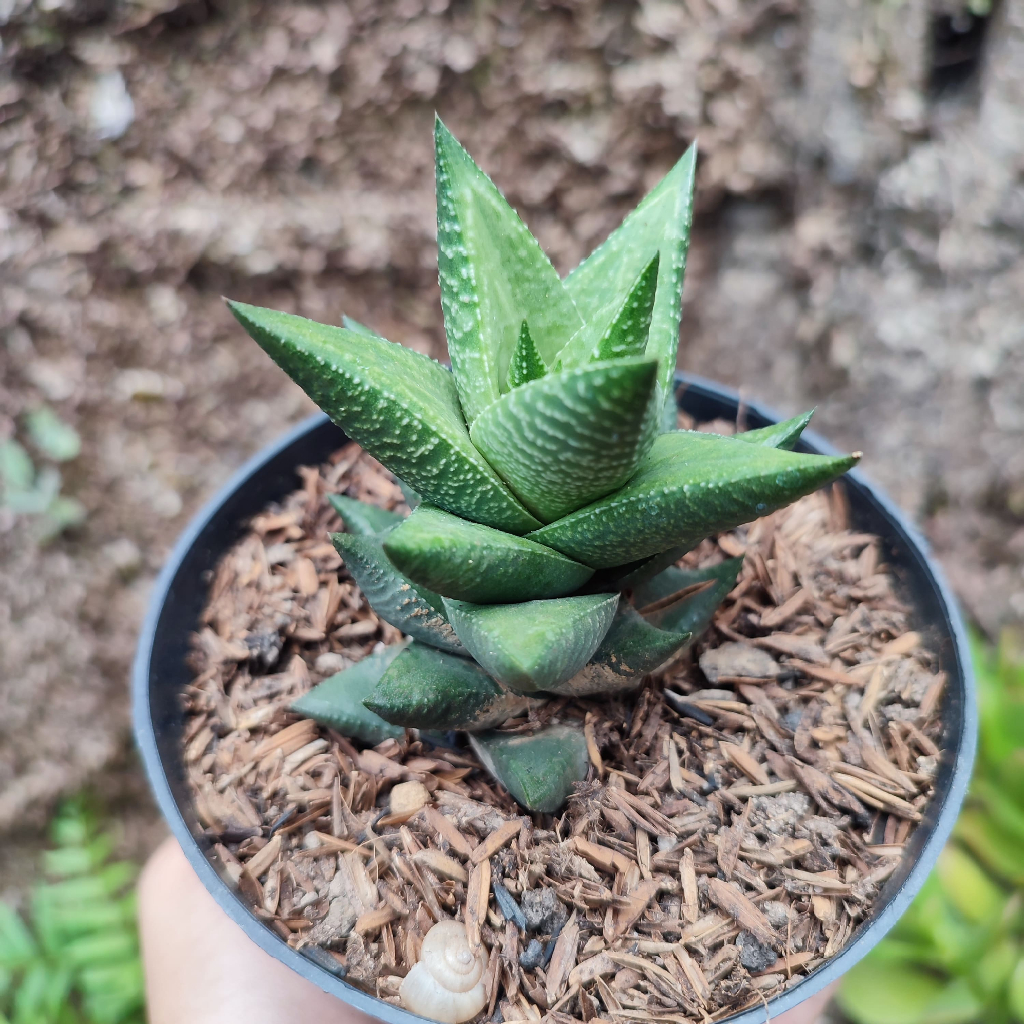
(865, 937)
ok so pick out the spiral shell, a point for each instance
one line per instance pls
(447, 984)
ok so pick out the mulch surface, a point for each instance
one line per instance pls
(743, 808)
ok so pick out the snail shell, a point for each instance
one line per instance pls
(447, 984)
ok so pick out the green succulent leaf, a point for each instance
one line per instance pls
(470, 562)
(395, 598)
(778, 435)
(692, 612)
(16, 469)
(526, 363)
(659, 225)
(635, 574)
(534, 645)
(631, 648)
(354, 325)
(412, 498)
(402, 408)
(493, 275)
(690, 485)
(620, 329)
(338, 701)
(571, 437)
(537, 769)
(428, 689)
(361, 518)
(52, 436)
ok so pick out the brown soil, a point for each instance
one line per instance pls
(742, 810)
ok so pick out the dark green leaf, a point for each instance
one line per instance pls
(338, 700)
(572, 437)
(621, 330)
(631, 648)
(361, 518)
(690, 485)
(428, 689)
(402, 408)
(778, 435)
(394, 597)
(534, 645)
(538, 769)
(493, 275)
(689, 614)
(526, 363)
(470, 562)
(660, 224)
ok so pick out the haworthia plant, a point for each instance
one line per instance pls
(557, 494)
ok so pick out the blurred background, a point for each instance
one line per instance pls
(857, 246)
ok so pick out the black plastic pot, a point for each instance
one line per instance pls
(160, 676)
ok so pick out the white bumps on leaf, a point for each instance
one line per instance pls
(447, 984)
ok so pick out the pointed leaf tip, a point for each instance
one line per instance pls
(526, 364)
(572, 437)
(538, 769)
(782, 435)
(493, 274)
(394, 597)
(428, 689)
(660, 224)
(534, 645)
(689, 486)
(401, 406)
(338, 700)
(475, 563)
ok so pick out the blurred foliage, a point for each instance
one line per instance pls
(26, 490)
(75, 960)
(957, 955)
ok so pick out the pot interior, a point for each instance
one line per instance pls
(161, 674)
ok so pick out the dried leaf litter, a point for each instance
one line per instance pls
(742, 812)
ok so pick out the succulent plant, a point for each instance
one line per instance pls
(552, 491)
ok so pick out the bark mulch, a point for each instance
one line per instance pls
(742, 810)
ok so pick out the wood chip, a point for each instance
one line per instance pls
(742, 911)
(746, 764)
(563, 959)
(461, 843)
(262, 859)
(496, 840)
(478, 895)
(442, 866)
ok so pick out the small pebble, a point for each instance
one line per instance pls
(544, 911)
(509, 908)
(754, 955)
(533, 956)
(408, 797)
